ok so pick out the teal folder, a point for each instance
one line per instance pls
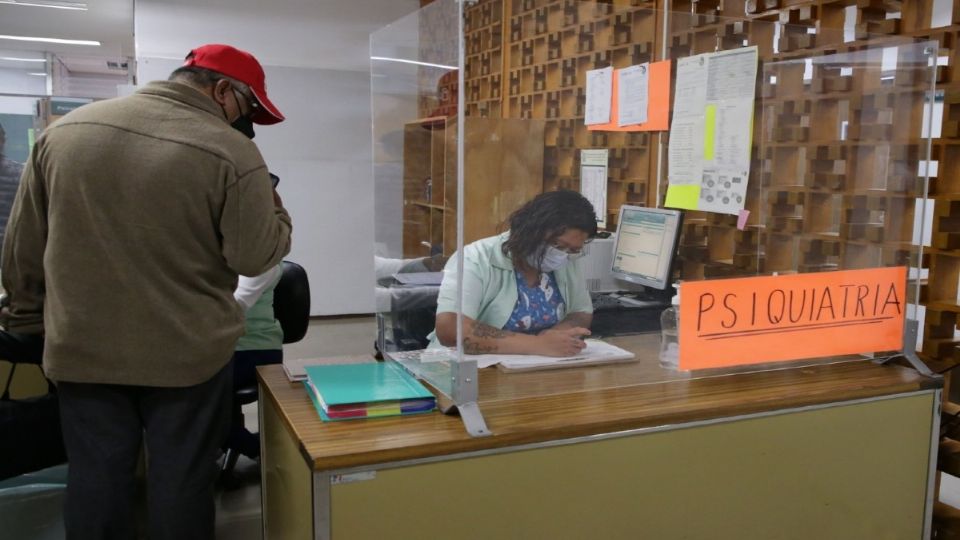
(345, 391)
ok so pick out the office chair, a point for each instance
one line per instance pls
(291, 308)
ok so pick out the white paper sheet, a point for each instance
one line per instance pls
(691, 87)
(632, 96)
(733, 134)
(732, 74)
(685, 156)
(593, 181)
(723, 191)
(595, 351)
(599, 96)
(711, 133)
(686, 143)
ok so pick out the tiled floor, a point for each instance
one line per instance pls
(31, 505)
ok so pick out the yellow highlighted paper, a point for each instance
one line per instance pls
(709, 130)
(683, 196)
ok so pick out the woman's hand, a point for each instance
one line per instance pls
(561, 341)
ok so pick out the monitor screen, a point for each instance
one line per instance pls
(645, 244)
(596, 264)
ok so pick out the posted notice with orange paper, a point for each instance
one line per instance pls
(658, 102)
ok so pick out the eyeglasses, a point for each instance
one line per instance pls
(252, 104)
(572, 253)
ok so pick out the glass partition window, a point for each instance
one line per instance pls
(838, 156)
(414, 68)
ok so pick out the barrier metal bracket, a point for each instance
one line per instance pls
(473, 419)
(909, 351)
(466, 388)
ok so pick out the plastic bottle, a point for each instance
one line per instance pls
(669, 334)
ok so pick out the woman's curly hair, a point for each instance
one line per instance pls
(542, 219)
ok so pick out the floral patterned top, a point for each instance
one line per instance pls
(538, 307)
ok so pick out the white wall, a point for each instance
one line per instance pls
(316, 58)
(18, 105)
(19, 81)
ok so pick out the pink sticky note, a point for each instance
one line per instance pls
(742, 219)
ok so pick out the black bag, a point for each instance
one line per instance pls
(30, 437)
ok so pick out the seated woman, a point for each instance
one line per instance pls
(262, 343)
(522, 293)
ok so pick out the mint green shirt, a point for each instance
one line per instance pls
(490, 286)
(262, 332)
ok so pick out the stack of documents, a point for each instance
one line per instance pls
(367, 390)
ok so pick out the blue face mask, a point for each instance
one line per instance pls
(553, 259)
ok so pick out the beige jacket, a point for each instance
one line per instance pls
(133, 218)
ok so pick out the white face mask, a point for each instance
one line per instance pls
(553, 259)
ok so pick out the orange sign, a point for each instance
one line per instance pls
(658, 101)
(732, 322)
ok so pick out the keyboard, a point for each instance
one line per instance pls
(607, 301)
(625, 320)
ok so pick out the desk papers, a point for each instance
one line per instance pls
(596, 352)
(419, 278)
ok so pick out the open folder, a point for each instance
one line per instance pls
(366, 390)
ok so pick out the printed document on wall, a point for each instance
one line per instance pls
(599, 96)
(593, 181)
(731, 84)
(691, 95)
(713, 131)
(632, 98)
(684, 167)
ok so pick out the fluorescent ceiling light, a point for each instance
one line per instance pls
(414, 62)
(76, 6)
(12, 59)
(38, 74)
(53, 40)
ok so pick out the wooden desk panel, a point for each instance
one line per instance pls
(525, 408)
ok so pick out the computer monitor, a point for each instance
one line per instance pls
(596, 264)
(645, 244)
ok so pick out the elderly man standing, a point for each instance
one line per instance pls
(132, 221)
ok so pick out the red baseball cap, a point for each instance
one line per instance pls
(242, 66)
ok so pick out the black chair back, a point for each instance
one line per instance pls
(291, 302)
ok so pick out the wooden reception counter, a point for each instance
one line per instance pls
(833, 450)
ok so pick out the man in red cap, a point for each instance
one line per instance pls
(133, 219)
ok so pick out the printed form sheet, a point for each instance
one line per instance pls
(599, 96)
(632, 98)
(710, 138)
(593, 181)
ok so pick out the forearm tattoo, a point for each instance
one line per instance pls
(470, 346)
(481, 330)
(472, 343)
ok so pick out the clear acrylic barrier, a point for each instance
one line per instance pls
(414, 67)
(839, 155)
